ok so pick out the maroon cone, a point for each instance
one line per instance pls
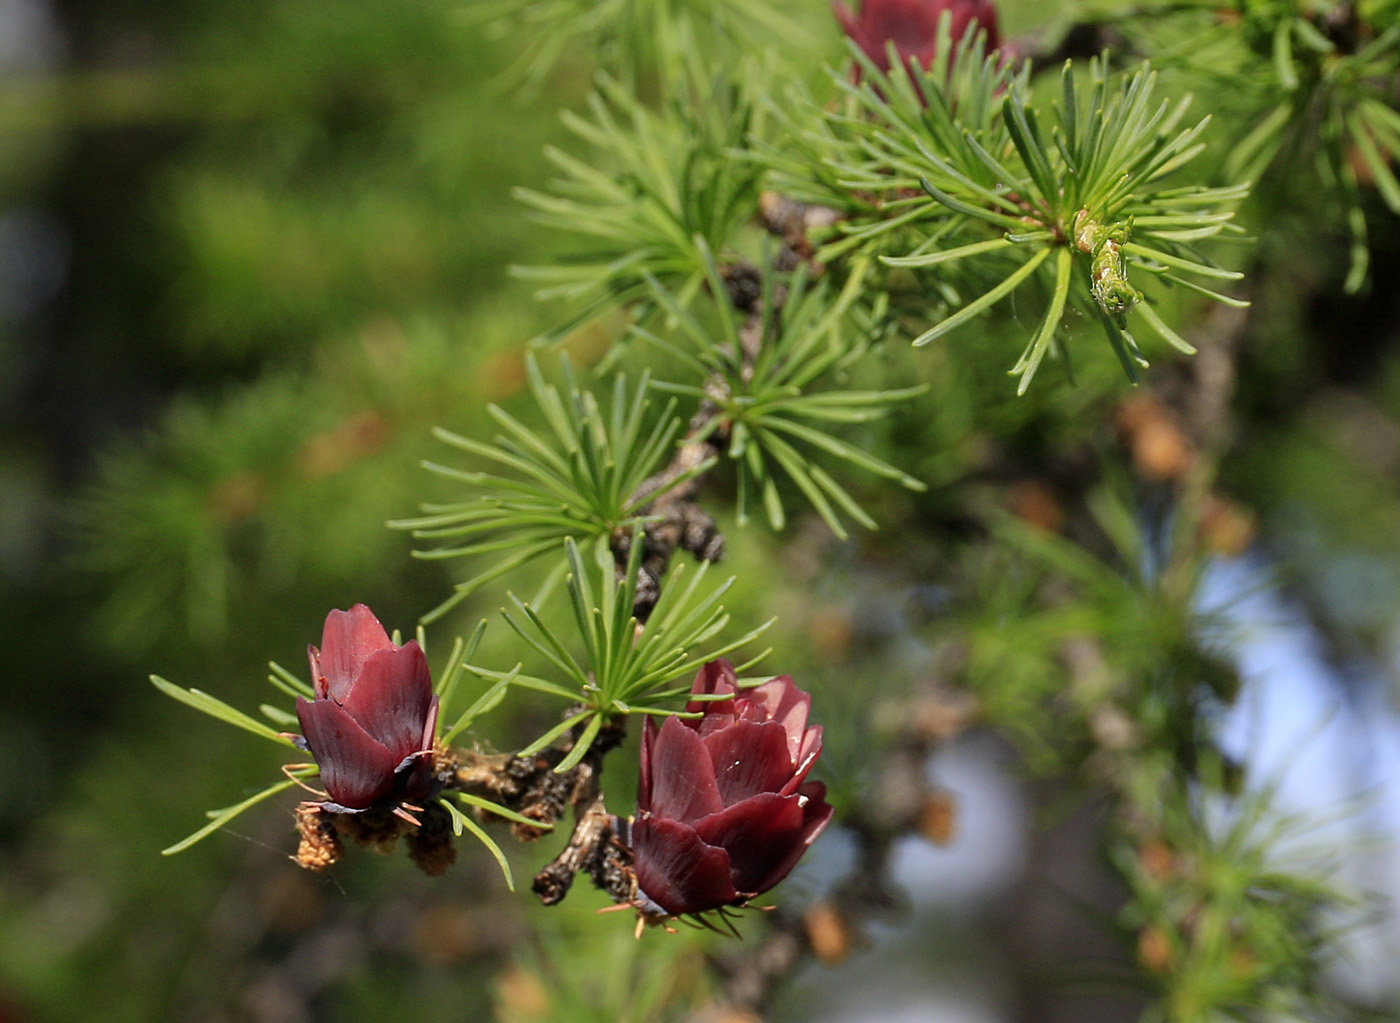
(912, 25)
(724, 810)
(372, 723)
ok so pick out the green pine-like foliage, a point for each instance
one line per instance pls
(488, 273)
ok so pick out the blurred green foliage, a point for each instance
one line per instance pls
(287, 228)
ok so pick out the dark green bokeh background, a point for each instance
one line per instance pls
(283, 232)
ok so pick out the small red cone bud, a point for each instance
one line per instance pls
(372, 722)
(724, 810)
(912, 25)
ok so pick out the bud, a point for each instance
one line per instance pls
(912, 25)
(371, 724)
(723, 810)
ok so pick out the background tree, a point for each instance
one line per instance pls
(254, 256)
